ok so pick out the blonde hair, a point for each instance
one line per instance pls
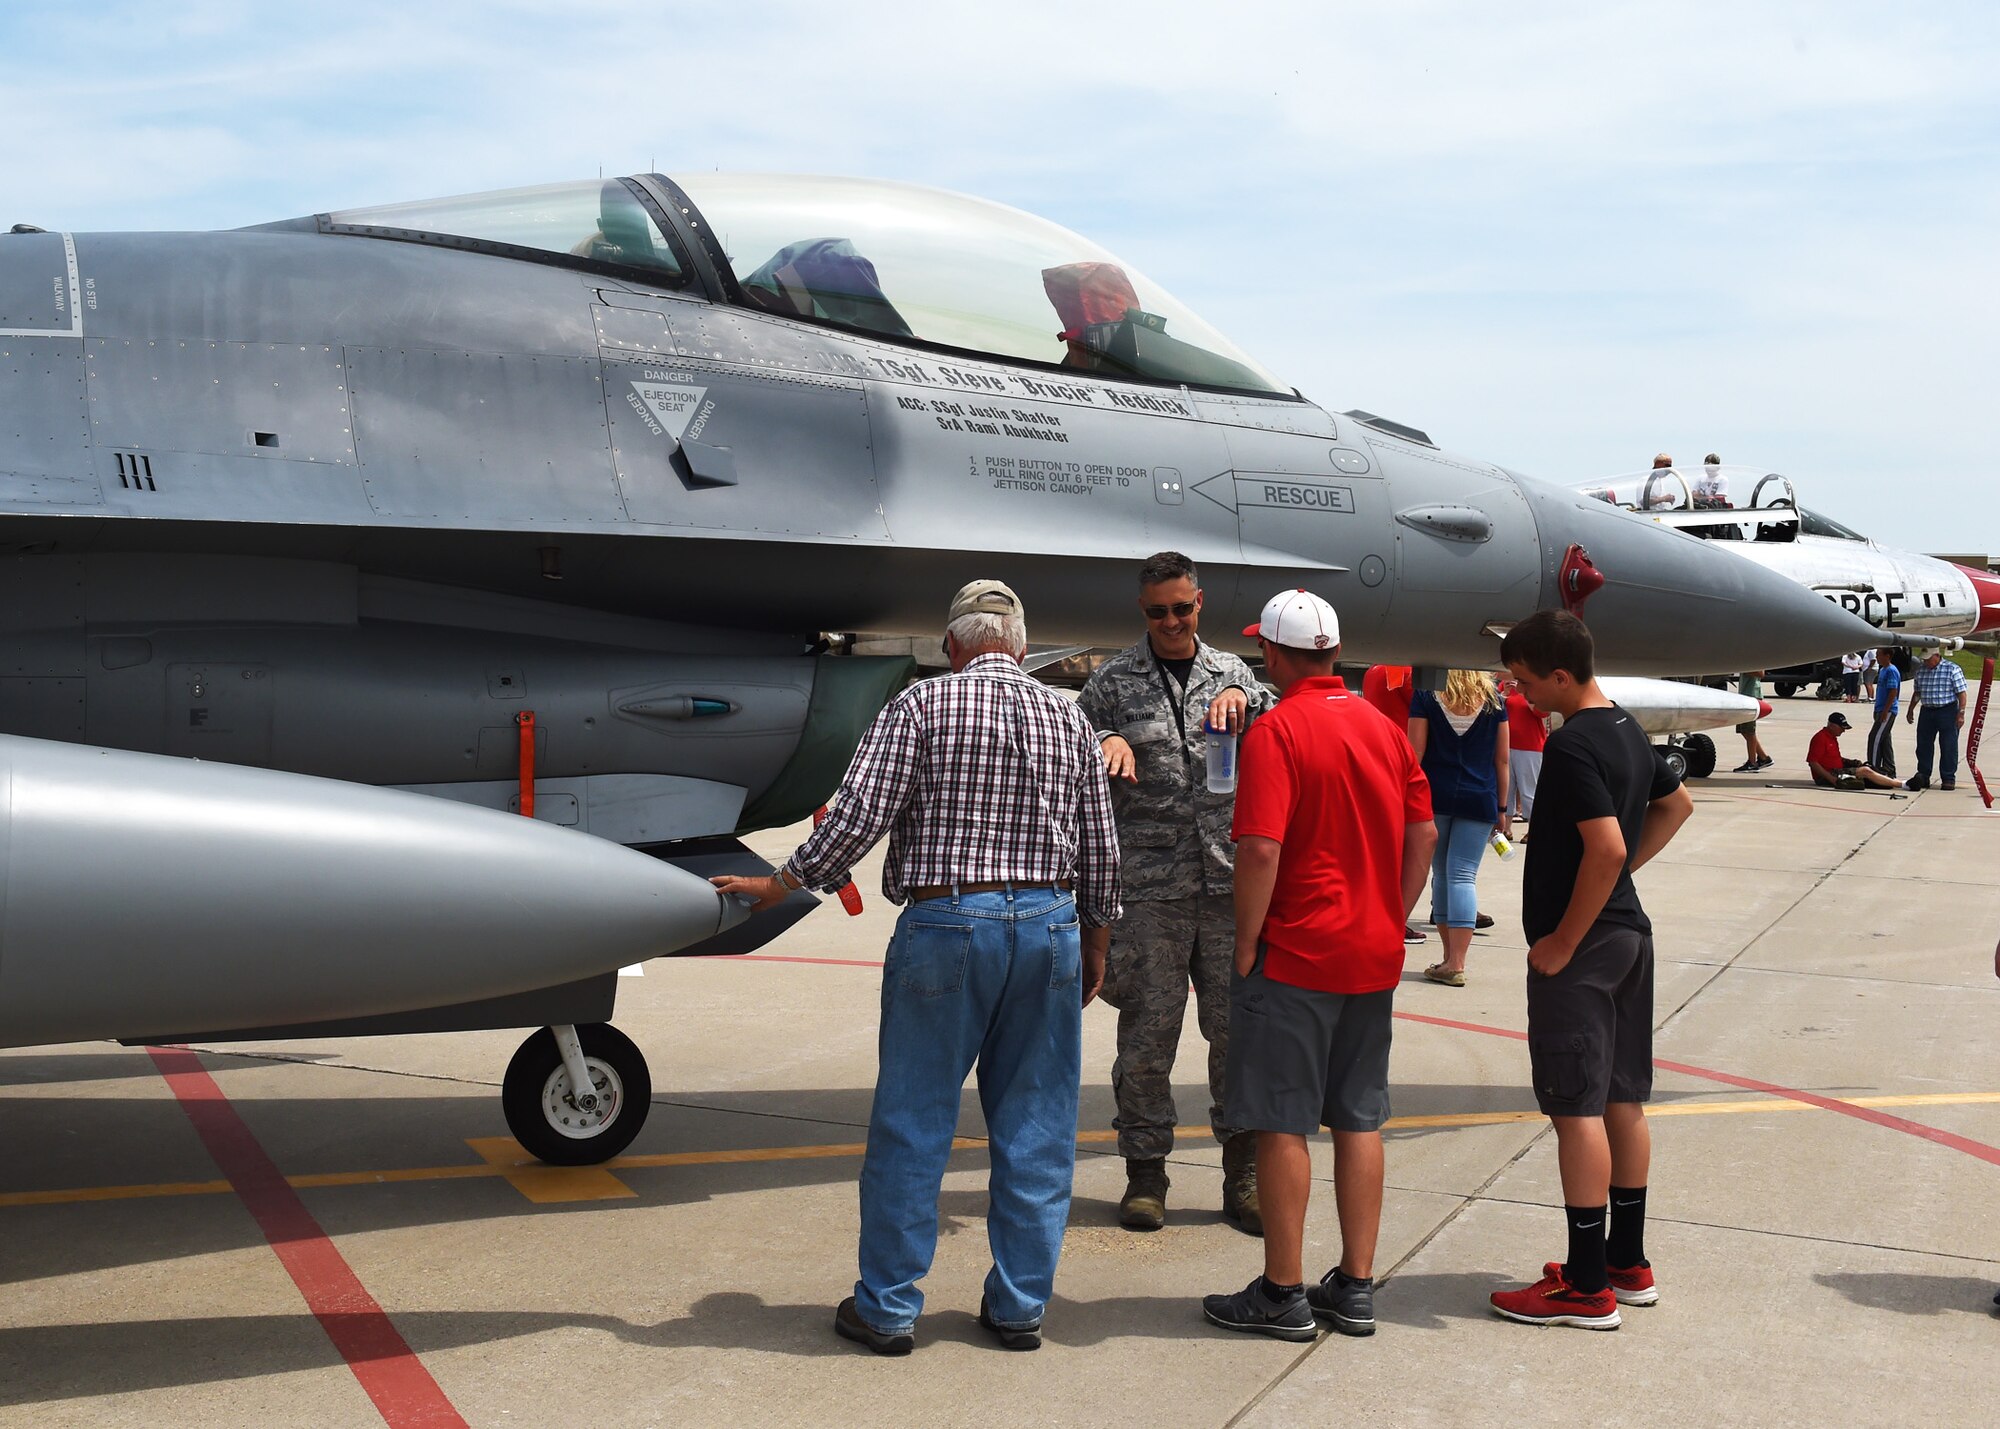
(1466, 692)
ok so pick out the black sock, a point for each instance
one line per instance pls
(1281, 1293)
(1626, 1246)
(1585, 1267)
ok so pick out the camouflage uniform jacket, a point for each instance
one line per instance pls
(1173, 834)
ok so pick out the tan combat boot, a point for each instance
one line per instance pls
(1144, 1207)
(1239, 1183)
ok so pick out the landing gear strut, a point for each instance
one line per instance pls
(576, 1096)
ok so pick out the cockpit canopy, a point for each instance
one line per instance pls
(897, 261)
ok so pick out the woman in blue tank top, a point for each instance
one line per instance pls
(1461, 737)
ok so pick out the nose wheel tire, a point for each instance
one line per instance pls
(1699, 751)
(1676, 758)
(548, 1117)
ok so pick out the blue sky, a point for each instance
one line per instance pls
(1559, 237)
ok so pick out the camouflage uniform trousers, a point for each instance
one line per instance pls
(1160, 947)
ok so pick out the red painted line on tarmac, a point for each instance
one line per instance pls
(1951, 1139)
(1978, 1149)
(389, 1372)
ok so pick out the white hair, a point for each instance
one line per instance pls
(984, 630)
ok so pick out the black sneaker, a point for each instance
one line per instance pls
(1340, 1302)
(1013, 1339)
(1916, 783)
(1251, 1311)
(1748, 766)
(1766, 762)
(848, 1324)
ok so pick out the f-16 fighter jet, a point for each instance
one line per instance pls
(551, 498)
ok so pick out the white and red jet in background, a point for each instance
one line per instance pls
(1756, 514)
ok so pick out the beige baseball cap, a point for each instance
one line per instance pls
(1298, 620)
(985, 598)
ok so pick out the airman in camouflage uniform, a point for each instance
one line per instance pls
(1148, 705)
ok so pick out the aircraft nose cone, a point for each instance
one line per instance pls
(1675, 602)
(1986, 587)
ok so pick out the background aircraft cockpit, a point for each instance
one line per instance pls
(1766, 508)
(944, 269)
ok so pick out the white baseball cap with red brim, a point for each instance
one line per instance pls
(1298, 620)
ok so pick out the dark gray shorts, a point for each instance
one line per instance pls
(1301, 1059)
(1590, 1027)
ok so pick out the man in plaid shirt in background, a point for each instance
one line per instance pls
(1937, 708)
(1001, 842)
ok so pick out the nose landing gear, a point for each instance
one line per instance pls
(576, 1096)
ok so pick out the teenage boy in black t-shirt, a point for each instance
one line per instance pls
(1606, 804)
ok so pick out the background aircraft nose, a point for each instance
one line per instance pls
(1986, 588)
(1674, 601)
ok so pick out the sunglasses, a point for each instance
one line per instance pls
(1180, 608)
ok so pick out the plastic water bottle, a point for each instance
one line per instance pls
(1501, 844)
(1221, 759)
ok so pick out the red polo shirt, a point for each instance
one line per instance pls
(1823, 749)
(1388, 688)
(1335, 783)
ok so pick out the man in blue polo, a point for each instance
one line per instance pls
(1937, 708)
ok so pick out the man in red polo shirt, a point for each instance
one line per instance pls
(1333, 844)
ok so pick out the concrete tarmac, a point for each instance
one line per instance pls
(1825, 1204)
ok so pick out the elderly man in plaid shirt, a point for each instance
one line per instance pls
(993, 794)
(1937, 708)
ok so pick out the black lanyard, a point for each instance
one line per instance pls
(1167, 687)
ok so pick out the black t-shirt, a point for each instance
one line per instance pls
(1179, 669)
(1598, 765)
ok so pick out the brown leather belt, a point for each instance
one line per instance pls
(946, 890)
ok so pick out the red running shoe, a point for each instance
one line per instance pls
(1552, 1301)
(1634, 1286)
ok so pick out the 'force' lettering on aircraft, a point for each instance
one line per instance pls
(1881, 609)
(1295, 495)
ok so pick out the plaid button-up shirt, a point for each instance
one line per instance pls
(1939, 684)
(980, 777)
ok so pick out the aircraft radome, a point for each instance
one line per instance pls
(357, 494)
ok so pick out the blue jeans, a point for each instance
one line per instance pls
(1455, 870)
(987, 980)
(1938, 724)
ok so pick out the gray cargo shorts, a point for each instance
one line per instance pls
(1300, 1059)
(1590, 1027)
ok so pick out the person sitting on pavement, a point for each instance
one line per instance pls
(992, 790)
(1333, 834)
(1461, 739)
(1150, 705)
(1830, 770)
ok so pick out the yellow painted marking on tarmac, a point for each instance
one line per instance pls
(549, 1185)
(112, 1193)
(504, 1157)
